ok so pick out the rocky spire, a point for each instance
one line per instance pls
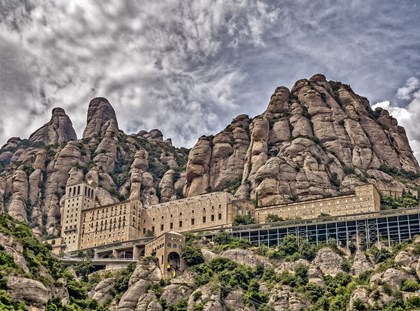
(58, 130)
(101, 117)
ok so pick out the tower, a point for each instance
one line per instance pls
(78, 197)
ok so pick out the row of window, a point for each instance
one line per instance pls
(73, 191)
(170, 245)
(180, 224)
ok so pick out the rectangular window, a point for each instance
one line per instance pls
(192, 221)
(204, 219)
(212, 217)
(220, 216)
(171, 225)
(180, 224)
(161, 227)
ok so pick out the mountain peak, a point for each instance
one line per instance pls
(58, 130)
(101, 117)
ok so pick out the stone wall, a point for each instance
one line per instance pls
(366, 199)
(111, 223)
(194, 213)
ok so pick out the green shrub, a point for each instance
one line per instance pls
(314, 292)
(410, 285)
(121, 283)
(180, 305)
(301, 272)
(273, 218)
(7, 260)
(334, 180)
(413, 302)
(83, 269)
(244, 220)
(380, 255)
(253, 294)
(222, 238)
(192, 255)
(348, 170)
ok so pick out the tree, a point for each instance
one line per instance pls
(289, 245)
(222, 238)
(244, 220)
(84, 268)
(192, 255)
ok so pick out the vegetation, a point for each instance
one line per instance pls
(273, 218)
(244, 220)
(233, 185)
(315, 139)
(192, 255)
(348, 170)
(225, 241)
(406, 200)
(39, 261)
(334, 180)
(231, 275)
(393, 171)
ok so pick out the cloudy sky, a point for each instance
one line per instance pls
(189, 67)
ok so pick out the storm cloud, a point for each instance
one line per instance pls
(189, 67)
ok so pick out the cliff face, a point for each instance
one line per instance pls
(317, 139)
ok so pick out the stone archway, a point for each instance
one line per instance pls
(174, 260)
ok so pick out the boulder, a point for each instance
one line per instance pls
(328, 261)
(361, 264)
(246, 257)
(175, 292)
(32, 292)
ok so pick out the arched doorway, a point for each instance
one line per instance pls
(174, 261)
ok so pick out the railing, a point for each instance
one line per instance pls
(318, 220)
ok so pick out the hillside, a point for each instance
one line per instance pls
(318, 139)
(231, 275)
(31, 278)
(226, 274)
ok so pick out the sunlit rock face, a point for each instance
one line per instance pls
(317, 139)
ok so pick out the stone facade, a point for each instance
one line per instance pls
(79, 197)
(86, 225)
(167, 249)
(110, 223)
(365, 199)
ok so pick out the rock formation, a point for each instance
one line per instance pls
(57, 131)
(101, 117)
(33, 177)
(317, 139)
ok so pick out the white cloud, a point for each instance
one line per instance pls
(189, 67)
(160, 64)
(406, 91)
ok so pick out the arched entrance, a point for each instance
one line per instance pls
(174, 261)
